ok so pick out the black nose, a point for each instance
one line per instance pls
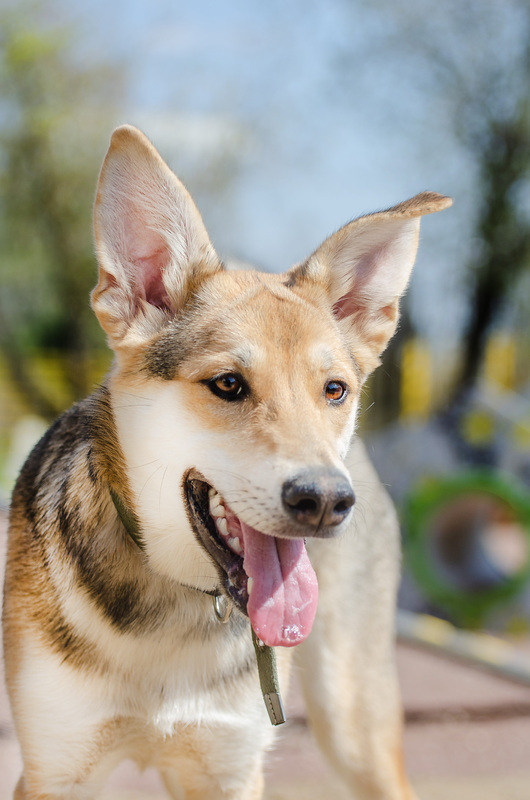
(318, 498)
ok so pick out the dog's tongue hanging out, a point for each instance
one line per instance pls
(283, 587)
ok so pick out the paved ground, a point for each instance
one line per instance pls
(467, 738)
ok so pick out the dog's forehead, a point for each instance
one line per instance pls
(244, 320)
(252, 314)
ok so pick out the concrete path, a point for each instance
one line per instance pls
(467, 738)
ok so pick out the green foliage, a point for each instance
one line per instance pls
(54, 121)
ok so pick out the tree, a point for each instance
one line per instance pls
(482, 67)
(469, 63)
(53, 121)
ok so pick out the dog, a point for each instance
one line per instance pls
(207, 488)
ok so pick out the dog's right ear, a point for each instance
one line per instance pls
(151, 242)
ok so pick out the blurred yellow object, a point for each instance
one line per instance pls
(521, 434)
(416, 381)
(500, 361)
(478, 427)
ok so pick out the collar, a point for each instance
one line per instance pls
(128, 519)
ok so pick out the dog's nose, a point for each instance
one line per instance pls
(318, 498)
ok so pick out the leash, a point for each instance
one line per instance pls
(268, 678)
(266, 661)
(265, 655)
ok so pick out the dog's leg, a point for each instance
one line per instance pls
(22, 792)
(347, 664)
(55, 781)
(62, 776)
(69, 742)
(201, 789)
(172, 784)
(215, 762)
(356, 720)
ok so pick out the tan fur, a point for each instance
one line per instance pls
(112, 646)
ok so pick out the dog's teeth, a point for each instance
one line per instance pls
(211, 492)
(217, 508)
(235, 545)
(222, 526)
(249, 585)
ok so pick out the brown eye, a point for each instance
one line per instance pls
(335, 391)
(228, 386)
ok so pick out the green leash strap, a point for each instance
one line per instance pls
(130, 523)
(268, 678)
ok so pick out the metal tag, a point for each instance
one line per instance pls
(222, 608)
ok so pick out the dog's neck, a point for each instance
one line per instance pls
(265, 656)
(130, 522)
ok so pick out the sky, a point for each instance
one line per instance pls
(288, 119)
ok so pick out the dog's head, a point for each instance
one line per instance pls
(235, 393)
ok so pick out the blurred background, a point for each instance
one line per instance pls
(285, 121)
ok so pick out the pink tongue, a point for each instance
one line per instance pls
(283, 601)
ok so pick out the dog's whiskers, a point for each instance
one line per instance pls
(161, 485)
(151, 476)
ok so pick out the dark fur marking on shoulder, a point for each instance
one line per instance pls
(119, 600)
(81, 519)
(74, 648)
(92, 471)
(25, 491)
(79, 534)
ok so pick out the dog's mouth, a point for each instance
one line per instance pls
(269, 579)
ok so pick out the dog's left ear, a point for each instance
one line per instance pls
(151, 242)
(365, 267)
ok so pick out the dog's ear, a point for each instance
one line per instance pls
(365, 267)
(151, 242)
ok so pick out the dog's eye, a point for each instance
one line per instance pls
(335, 391)
(228, 386)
